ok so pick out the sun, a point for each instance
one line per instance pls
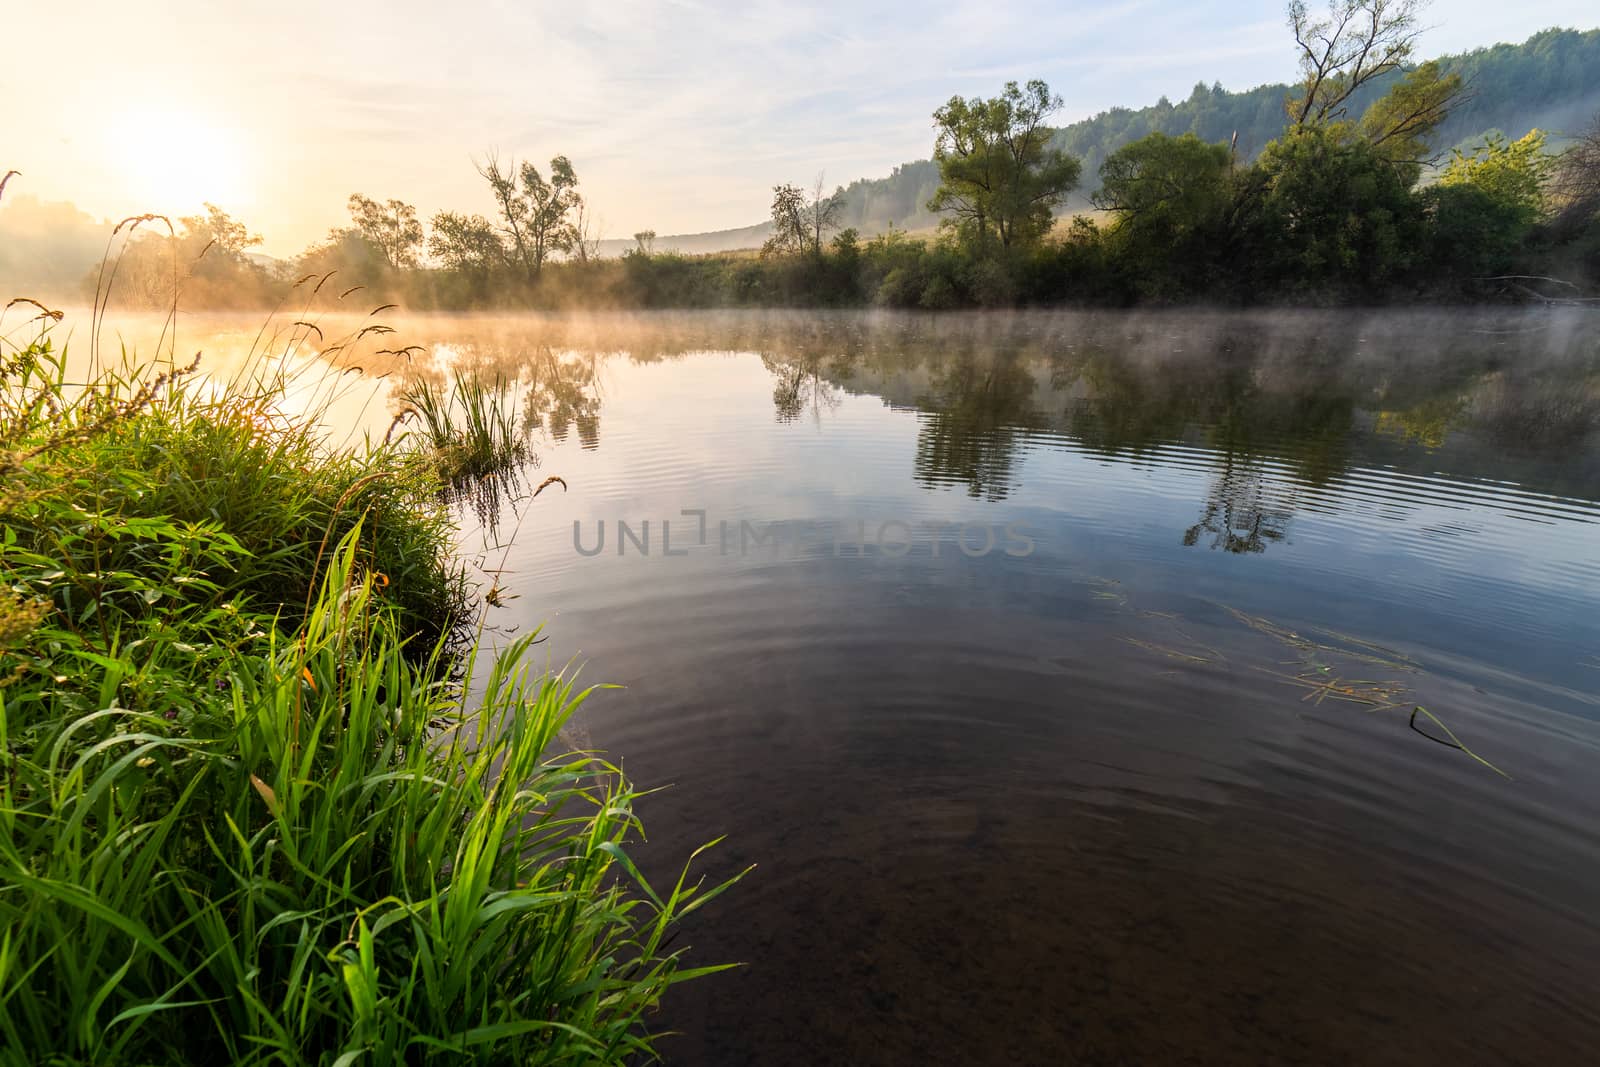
(172, 160)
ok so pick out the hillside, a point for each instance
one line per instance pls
(1551, 80)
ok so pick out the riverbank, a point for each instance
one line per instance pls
(246, 812)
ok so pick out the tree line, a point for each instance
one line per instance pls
(1551, 80)
(1333, 210)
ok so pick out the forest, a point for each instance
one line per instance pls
(1332, 191)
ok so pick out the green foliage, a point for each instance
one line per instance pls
(1400, 125)
(999, 180)
(229, 463)
(1511, 174)
(1325, 219)
(1472, 233)
(1552, 79)
(1168, 183)
(473, 434)
(323, 863)
(242, 829)
(1168, 197)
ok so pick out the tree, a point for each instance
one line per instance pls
(221, 230)
(350, 252)
(1354, 42)
(1485, 205)
(1169, 183)
(643, 242)
(537, 213)
(466, 244)
(999, 179)
(1400, 123)
(1325, 217)
(788, 221)
(391, 227)
(1471, 233)
(202, 263)
(822, 214)
(1168, 197)
(799, 222)
(586, 235)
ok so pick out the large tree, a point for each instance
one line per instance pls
(1168, 197)
(224, 233)
(391, 227)
(202, 262)
(999, 179)
(1325, 218)
(1175, 183)
(1344, 48)
(1400, 123)
(1350, 47)
(537, 213)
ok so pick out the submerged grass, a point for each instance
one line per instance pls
(1317, 659)
(256, 805)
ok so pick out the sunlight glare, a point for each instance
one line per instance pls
(174, 160)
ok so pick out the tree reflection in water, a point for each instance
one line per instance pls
(1281, 406)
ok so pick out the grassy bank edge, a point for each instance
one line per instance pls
(248, 813)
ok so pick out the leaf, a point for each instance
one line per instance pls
(267, 794)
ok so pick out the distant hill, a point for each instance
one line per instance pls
(1551, 80)
(693, 244)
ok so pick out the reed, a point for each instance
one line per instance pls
(472, 431)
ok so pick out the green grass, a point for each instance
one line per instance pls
(474, 435)
(248, 811)
(470, 425)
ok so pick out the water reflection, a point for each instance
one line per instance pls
(1148, 793)
(543, 389)
(1241, 512)
(978, 412)
(1280, 407)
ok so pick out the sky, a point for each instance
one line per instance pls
(679, 116)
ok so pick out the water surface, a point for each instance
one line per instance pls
(1148, 791)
